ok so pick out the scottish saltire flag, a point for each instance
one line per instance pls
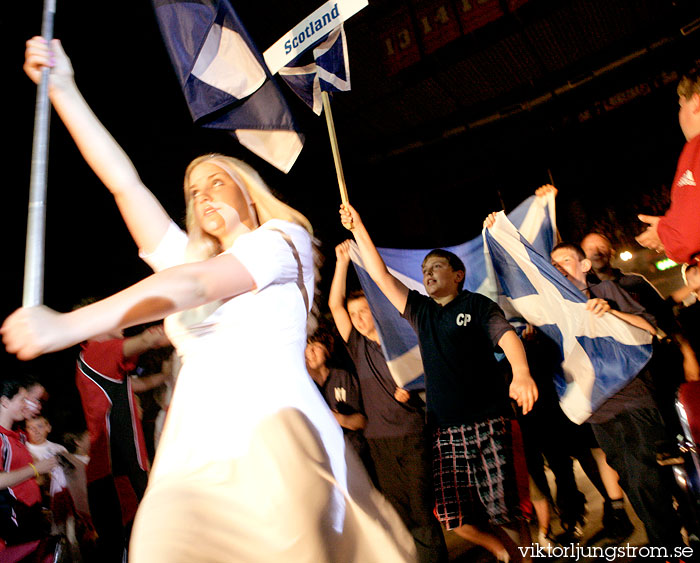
(225, 80)
(322, 68)
(535, 216)
(600, 355)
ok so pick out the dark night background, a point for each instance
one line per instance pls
(581, 92)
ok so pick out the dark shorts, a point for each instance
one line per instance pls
(474, 474)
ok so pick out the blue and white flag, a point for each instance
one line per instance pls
(225, 80)
(323, 68)
(535, 216)
(600, 354)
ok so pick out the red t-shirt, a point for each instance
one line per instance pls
(679, 228)
(106, 358)
(15, 455)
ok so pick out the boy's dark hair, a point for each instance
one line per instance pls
(453, 260)
(353, 295)
(570, 246)
(325, 338)
(10, 386)
(31, 381)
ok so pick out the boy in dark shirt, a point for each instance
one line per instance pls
(467, 400)
(395, 427)
(340, 390)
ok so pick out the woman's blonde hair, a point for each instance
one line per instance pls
(202, 245)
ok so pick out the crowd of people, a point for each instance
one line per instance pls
(277, 448)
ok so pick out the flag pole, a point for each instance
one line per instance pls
(334, 146)
(33, 290)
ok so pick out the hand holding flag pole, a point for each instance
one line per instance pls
(33, 290)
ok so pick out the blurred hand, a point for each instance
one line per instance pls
(650, 237)
(46, 465)
(546, 189)
(597, 306)
(32, 331)
(155, 337)
(401, 395)
(523, 391)
(490, 220)
(528, 332)
(342, 252)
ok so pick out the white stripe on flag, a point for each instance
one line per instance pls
(407, 367)
(225, 62)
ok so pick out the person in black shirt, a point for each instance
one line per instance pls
(467, 398)
(395, 429)
(341, 391)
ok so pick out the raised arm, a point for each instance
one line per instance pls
(336, 296)
(393, 289)
(145, 218)
(30, 332)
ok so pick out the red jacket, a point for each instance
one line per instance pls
(679, 228)
(15, 455)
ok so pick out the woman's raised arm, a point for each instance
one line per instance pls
(144, 216)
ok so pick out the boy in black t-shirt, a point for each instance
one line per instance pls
(341, 391)
(395, 429)
(467, 400)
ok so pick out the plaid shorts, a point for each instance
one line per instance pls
(474, 474)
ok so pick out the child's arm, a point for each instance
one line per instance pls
(393, 289)
(17, 476)
(354, 421)
(153, 337)
(600, 306)
(336, 296)
(523, 388)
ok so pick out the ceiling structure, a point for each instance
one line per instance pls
(535, 54)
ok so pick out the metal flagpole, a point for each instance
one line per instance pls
(33, 291)
(334, 147)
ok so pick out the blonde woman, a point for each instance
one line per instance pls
(251, 465)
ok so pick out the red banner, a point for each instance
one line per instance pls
(399, 42)
(434, 23)
(437, 24)
(477, 13)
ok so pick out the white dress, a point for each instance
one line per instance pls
(251, 465)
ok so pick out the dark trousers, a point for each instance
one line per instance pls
(403, 470)
(106, 514)
(629, 442)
